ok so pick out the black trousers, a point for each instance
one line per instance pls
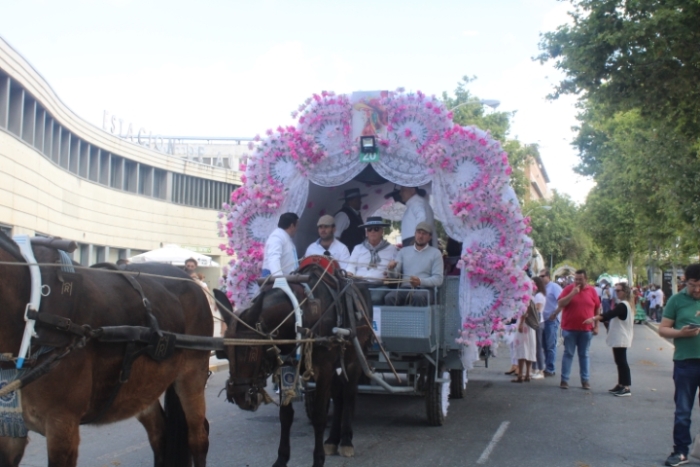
(624, 378)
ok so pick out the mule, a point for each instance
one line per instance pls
(85, 387)
(336, 369)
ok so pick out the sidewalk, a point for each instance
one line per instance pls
(217, 364)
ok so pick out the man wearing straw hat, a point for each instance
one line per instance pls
(369, 259)
(348, 220)
(419, 266)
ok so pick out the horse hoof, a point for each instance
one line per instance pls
(346, 451)
(330, 449)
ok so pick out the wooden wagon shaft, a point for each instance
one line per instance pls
(292, 279)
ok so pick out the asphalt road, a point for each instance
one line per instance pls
(498, 424)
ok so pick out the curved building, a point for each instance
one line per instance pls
(62, 176)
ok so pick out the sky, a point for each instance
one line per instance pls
(236, 68)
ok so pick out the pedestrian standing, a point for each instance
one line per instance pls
(551, 323)
(540, 300)
(681, 323)
(578, 302)
(620, 335)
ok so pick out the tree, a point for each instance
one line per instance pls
(636, 66)
(557, 232)
(632, 54)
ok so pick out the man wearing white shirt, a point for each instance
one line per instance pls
(369, 260)
(657, 303)
(417, 210)
(327, 244)
(280, 254)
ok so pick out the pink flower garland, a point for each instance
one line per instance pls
(415, 121)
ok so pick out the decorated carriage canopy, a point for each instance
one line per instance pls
(306, 168)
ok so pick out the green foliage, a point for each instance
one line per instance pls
(632, 54)
(556, 231)
(636, 66)
(468, 110)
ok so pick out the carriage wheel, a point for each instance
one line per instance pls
(458, 384)
(435, 400)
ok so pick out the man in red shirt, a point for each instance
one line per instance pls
(578, 302)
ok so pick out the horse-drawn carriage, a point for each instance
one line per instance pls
(296, 169)
(372, 142)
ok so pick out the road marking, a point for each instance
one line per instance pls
(494, 441)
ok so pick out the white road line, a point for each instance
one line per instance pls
(494, 441)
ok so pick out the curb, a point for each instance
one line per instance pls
(216, 365)
(655, 327)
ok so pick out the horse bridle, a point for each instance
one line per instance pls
(257, 383)
(252, 385)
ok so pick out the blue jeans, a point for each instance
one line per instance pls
(686, 377)
(576, 341)
(550, 336)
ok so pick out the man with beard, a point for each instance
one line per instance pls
(327, 244)
(680, 322)
(419, 266)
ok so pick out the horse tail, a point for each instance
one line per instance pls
(177, 448)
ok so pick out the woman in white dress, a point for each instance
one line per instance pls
(526, 339)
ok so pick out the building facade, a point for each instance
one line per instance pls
(62, 176)
(538, 180)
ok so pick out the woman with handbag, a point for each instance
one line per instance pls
(525, 343)
(620, 336)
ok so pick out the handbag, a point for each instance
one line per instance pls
(532, 318)
(695, 448)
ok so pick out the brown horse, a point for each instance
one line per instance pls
(84, 386)
(336, 369)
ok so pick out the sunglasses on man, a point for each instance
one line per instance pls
(374, 229)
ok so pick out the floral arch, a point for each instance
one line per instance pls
(466, 170)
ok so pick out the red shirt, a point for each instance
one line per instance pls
(581, 307)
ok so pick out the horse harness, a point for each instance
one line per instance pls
(274, 361)
(152, 341)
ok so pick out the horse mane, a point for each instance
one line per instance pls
(9, 245)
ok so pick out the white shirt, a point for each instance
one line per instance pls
(280, 254)
(657, 298)
(540, 299)
(338, 251)
(361, 256)
(417, 210)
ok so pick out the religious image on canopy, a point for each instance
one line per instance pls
(305, 169)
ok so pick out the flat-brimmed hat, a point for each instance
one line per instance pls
(325, 220)
(424, 226)
(352, 193)
(374, 222)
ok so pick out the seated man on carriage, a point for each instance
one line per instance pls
(327, 244)
(370, 259)
(419, 266)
